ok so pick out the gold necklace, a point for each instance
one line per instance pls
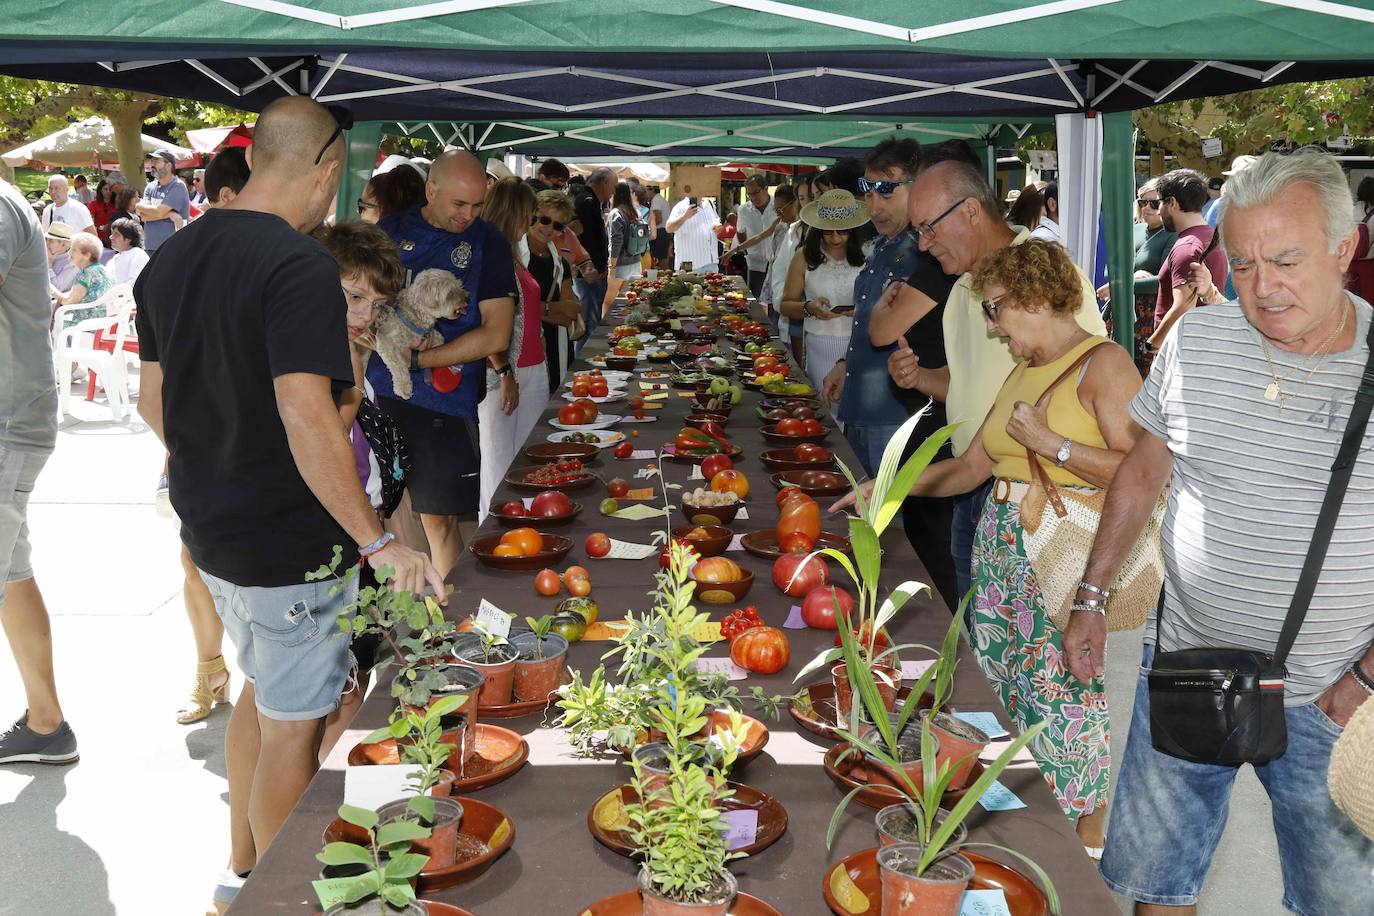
(1273, 391)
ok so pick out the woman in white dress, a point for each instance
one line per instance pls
(820, 280)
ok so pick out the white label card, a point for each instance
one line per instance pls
(493, 618)
(527, 500)
(743, 513)
(721, 666)
(999, 798)
(914, 669)
(984, 903)
(696, 473)
(642, 454)
(987, 721)
(625, 550)
(373, 786)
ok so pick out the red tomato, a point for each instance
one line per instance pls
(796, 578)
(800, 516)
(589, 409)
(811, 452)
(570, 415)
(787, 493)
(624, 449)
(581, 387)
(763, 650)
(712, 465)
(547, 582)
(514, 508)
(796, 542)
(618, 487)
(818, 608)
(549, 504)
(790, 427)
(598, 545)
(812, 427)
(599, 388)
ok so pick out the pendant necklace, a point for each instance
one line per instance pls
(1273, 391)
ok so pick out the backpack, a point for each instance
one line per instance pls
(389, 448)
(636, 237)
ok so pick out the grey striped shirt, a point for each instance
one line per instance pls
(1247, 485)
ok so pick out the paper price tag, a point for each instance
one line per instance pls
(639, 512)
(686, 394)
(642, 454)
(794, 619)
(743, 513)
(493, 618)
(914, 669)
(625, 550)
(721, 666)
(987, 721)
(999, 798)
(654, 405)
(741, 827)
(647, 472)
(736, 543)
(656, 396)
(527, 500)
(696, 473)
(332, 891)
(645, 493)
(372, 786)
(984, 903)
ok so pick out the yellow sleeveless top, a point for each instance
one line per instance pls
(1066, 416)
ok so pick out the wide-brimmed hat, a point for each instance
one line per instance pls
(60, 232)
(835, 209)
(498, 169)
(1240, 164)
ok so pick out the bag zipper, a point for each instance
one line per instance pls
(1227, 676)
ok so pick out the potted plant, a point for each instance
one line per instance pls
(494, 656)
(421, 741)
(539, 663)
(866, 624)
(383, 870)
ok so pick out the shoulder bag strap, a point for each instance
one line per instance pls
(1051, 490)
(1341, 470)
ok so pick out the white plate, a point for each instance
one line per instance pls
(631, 419)
(616, 394)
(602, 422)
(605, 438)
(612, 376)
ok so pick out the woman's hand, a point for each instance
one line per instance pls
(510, 393)
(1030, 427)
(819, 308)
(1200, 281)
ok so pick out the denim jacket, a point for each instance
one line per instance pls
(869, 398)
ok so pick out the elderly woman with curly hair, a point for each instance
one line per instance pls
(1078, 437)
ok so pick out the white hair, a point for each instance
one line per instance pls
(88, 245)
(1275, 173)
(59, 179)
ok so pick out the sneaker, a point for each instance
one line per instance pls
(162, 500)
(227, 886)
(21, 744)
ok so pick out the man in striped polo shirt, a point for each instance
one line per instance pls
(1246, 406)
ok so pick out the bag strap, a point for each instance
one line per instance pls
(1341, 469)
(1040, 474)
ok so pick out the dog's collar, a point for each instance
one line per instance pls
(412, 326)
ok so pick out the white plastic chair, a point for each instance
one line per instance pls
(73, 345)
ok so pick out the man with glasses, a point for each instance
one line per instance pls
(959, 220)
(1183, 194)
(755, 223)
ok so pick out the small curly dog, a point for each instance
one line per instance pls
(434, 294)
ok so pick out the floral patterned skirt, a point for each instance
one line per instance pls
(1021, 653)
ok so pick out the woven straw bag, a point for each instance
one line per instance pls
(1351, 775)
(1059, 528)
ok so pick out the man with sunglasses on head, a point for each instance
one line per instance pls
(959, 220)
(244, 349)
(1183, 194)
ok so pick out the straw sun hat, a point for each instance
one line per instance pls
(835, 209)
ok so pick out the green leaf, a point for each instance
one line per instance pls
(365, 886)
(423, 806)
(402, 831)
(868, 553)
(887, 468)
(898, 598)
(398, 895)
(839, 810)
(829, 656)
(444, 707)
(358, 817)
(900, 484)
(344, 854)
(406, 865)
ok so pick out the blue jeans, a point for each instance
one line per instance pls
(591, 295)
(868, 443)
(967, 510)
(1169, 814)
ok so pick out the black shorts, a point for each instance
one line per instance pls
(658, 248)
(446, 466)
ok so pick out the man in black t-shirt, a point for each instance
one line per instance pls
(243, 341)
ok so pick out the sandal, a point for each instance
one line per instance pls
(203, 696)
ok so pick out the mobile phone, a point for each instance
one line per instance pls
(691, 201)
(842, 309)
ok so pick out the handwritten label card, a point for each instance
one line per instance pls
(645, 493)
(646, 472)
(494, 619)
(373, 786)
(639, 512)
(721, 666)
(794, 619)
(696, 473)
(987, 721)
(999, 798)
(642, 454)
(626, 550)
(984, 903)
(656, 396)
(743, 514)
(736, 543)
(741, 827)
(912, 670)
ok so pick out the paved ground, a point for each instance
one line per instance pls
(139, 826)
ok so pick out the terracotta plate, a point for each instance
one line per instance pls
(630, 904)
(813, 708)
(607, 820)
(773, 438)
(764, 544)
(548, 452)
(495, 755)
(786, 402)
(781, 459)
(556, 547)
(533, 521)
(735, 453)
(793, 479)
(515, 710)
(854, 886)
(851, 772)
(483, 835)
(516, 478)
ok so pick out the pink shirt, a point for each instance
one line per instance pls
(532, 332)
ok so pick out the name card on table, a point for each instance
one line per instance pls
(984, 903)
(999, 798)
(645, 493)
(696, 473)
(914, 669)
(741, 827)
(721, 666)
(527, 500)
(493, 619)
(743, 514)
(647, 472)
(794, 619)
(656, 396)
(639, 512)
(736, 543)
(626, 550)
(987, 721)
(642, 454)
(372, 786)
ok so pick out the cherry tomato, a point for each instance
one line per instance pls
(624, 450)
(618, 488)
(547, 583)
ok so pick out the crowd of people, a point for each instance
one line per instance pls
(902, 283)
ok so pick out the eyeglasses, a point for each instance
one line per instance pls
(343, 120)
(543, 220)
(364, 205)
(927, 230)
(881, 188)
(990, 308)
(1148, 203)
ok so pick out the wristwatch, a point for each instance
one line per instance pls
(1062, 455)
(504, 370)
(414, 360)
(1361, 678)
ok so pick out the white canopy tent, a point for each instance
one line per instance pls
(88, 142)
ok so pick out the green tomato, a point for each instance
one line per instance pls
(719, 385)
(570, 626)
(582, 606)
(609, 506)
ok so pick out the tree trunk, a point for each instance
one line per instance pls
(127, 121)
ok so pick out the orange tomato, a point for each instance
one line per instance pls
(579, 587)
(526, 541)
(547, 583)
(730, 481)
(505, 550)
(576, 572)
(581, 387)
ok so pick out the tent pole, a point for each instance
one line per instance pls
(360, 159)
(1118, 198)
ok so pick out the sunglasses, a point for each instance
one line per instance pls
(835, 231)
(927, 230)
(1154, 204)
(881, 188)
(990, 308)
(543, 220)
(364, 205)
(343, 120)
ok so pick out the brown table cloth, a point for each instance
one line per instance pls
(555, 865)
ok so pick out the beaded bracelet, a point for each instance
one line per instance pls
(1096, 607)
(381, 542)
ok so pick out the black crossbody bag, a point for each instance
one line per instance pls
(1225, 706)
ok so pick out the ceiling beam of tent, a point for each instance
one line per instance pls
(211, 74)
(273, 76)
(1188, 74)
(368, 20)
(125, 66)
(1064, 78)
(1123, 78)
(328, 75)
(1341, 10)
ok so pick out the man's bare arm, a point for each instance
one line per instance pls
(491, 336)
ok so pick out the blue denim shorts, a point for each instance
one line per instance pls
(18, 473)
(1168, 816)
(289, 644)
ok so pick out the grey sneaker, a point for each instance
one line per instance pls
(21, 744)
